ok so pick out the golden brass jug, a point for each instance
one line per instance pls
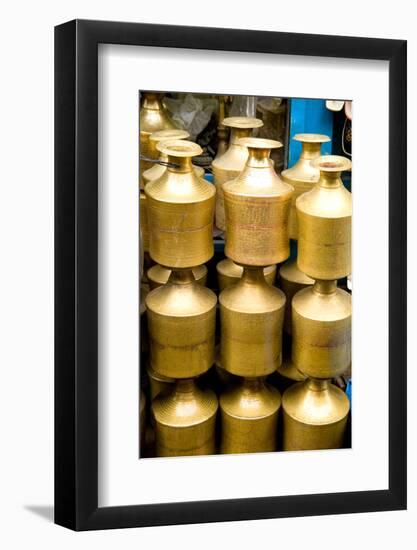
(159, 275)
(152, 117)
(249, 417)
(315, 413)
(303, 176)
(252, 315)
(324, 223)
(185, 420)
(291, 280)
(229, 273)
(257, 207)
(321, 343)
(229, 165)
(181, 323)
(180, 209)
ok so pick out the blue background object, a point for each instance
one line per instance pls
(308, 116)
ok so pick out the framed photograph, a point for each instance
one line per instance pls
(230, 284)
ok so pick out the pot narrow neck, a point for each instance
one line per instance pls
(330, 179)
(258, 158)
(237, 133)
(314, 384)
(253, 275)
(310, 151)
(324, 287)
(184, 164)
(181, 276)
(151, 102)
(185, 388)
(252, 384)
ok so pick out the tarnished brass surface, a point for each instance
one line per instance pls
(252, 315)
(143, 220)
(158, 275)
(229, 165)
(302, 176)
(157, 170)
(257, 207)
(291, 280)
(142, 420)
(180, 209)
(185, 421)
(229, 273)
(249, 417)
(324, 223)
(290, 371)
(315, 414)
(158, 383)
(181, 323)
(321, 344)
(152, 117)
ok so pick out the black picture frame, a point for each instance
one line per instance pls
(76, 270)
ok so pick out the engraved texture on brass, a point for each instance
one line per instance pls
(229, 165)
(249, 417)
(152, 117)
(303, 176)
(324, 223)
(321, 344)
(180, 209)
(158, 275)
(229, 273)
(257, 207)
(185, 420)
(181, 324)
(291, 280)
(252, 315)
(314, 416)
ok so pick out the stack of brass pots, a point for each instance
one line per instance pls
(152, 117)
(232, 162)
(181, 313)
(315, 412)
(303, 175)
(252, 312)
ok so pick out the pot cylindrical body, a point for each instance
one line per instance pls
(229, 273)
(249, 417)
(158, 275)
(321, 339)
(257, 207)
(185, 421)
(180, 210)
(152, 117)
(303, 176)
(314, 416)
(252, 315)
(229, 165)
(291, 280)
(181, 324)
(324, 223)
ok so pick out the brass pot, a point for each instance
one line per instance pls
(158, 170)
(324, 223)
(185, 420)
(180, 209)
(158, 383)
(181, 324)
(229, 273)
(159, 275)
(257, 206)
(222, 130)
(152, 117)
(303, 176)
(252, 315)
(249, 417)
(321, 343)
(229, 165)
(291, 280)
(288, 370)
(315, 413)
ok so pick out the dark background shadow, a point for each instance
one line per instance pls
(45, 512)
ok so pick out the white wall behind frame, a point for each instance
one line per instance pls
(27, 298)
